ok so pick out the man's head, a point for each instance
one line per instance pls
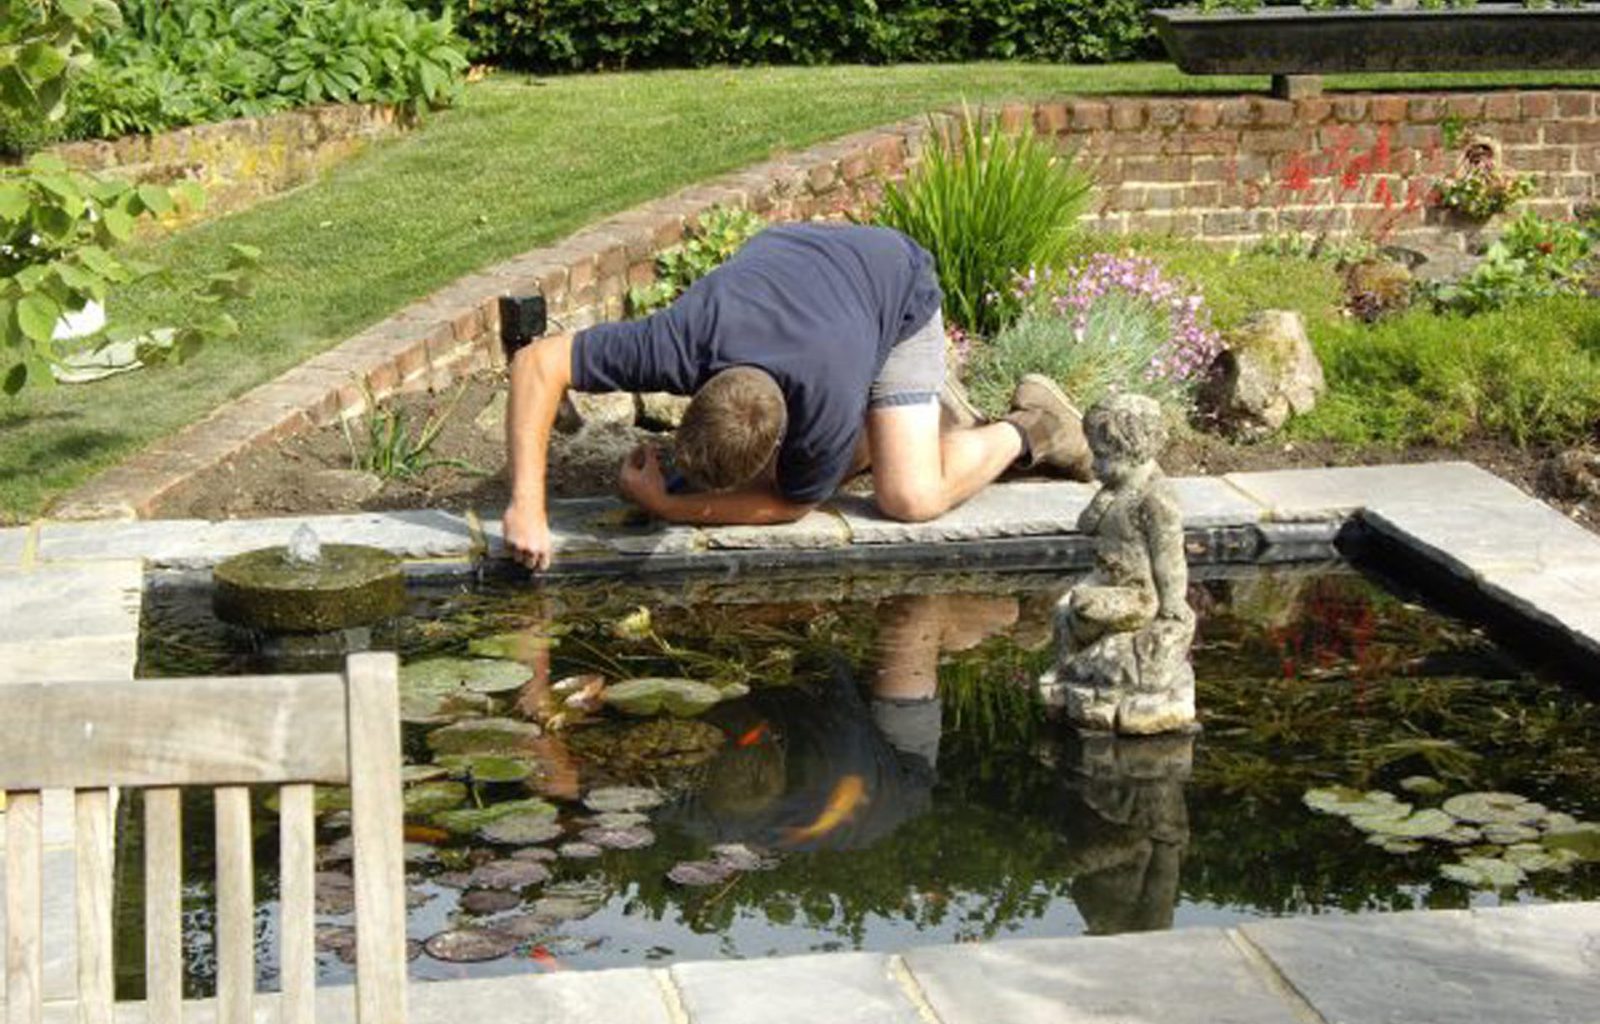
(731, 429)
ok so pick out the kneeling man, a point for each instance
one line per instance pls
(815, 351)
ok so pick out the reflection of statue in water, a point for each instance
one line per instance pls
(843, 772)
(1127, 829)
(1123, 635)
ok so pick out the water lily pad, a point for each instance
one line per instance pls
(484, 902)
(1507, 833)
(680, 698)
(537, 854)
(1422, 785)
(1423, 824)
(453, 879)
(579, 851)
(1461, 835)
(1485, 873)
(469, 945)
(697, 873)
(1395, 846)
(470, 819)
(412, 774)
(335, 893)
(521, 829)
(570, 901)
(523, 927)
(1482, 808)
(623, 799)
(433, 797)
(1557, 821)
(509, 874)
(484, 736)
(1351, 803)
(743, 858)
(635, 837)
(620, 819)
(489, 768)
(1583, 839)
(1534, 858)
(479, 675)
(518, 647)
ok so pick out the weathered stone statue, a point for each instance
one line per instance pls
(1123, 635)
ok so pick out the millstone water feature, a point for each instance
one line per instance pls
(864, 764)
(309, 597)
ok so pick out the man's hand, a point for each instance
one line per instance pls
(528, 536)
(641, 480)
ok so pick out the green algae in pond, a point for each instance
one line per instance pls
(347, 586)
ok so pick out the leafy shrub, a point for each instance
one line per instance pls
(1529, 373)
(988, 204)
(1111, 323)
(720, 233)
(567, 35)
(1533, 259)
(178, 62)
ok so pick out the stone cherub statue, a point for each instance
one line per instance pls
(1123, 635)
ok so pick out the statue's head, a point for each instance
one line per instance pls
(1125, 431)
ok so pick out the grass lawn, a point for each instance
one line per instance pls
(519, 163)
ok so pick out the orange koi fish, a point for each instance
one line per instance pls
(545, 959)
(847, 798)
(756, 734)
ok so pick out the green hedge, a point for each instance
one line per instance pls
(571, 35)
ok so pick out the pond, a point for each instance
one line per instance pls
(872, 772)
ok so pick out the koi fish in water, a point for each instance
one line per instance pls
(545, 959)
(847, 798)
(755, 735)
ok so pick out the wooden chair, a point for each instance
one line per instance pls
(228, 733)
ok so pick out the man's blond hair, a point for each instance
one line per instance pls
(731, 429)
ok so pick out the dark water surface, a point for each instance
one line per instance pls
(891, 765)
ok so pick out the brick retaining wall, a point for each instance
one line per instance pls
(1223, 169)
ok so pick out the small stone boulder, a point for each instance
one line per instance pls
(659, 410)
(581, 409)
(1267, 374)
(1573, 475)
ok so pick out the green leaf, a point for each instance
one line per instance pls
(16, 378)
(41, 61)
(13, 201)
(39, 370)
(118, 223)
(190, 194)
(77, 10)
(37, 316)
(155, 199)
(247, 252)
(81, 280)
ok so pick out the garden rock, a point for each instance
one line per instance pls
(1573, 475)
(1267, 374)
(1377, 287)
(345, 486)
(659, 410)
(580, 409)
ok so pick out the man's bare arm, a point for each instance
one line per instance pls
(541, 373)
(758, 504)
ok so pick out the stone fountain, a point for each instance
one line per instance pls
(309, 597)
(1123, 634)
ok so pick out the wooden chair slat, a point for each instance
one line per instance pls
(297, 950)
(235, 931)
(24, 908)
(92, 827)
(163, 904)
(378, 815)
(250, 729)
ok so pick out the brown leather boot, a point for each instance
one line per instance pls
(1053, 426)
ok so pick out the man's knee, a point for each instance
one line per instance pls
(911, 503)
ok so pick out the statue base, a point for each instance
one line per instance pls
(1135, 684)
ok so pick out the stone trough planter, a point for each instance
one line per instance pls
(1295, 41)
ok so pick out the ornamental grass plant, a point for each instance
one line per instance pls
(988, 204)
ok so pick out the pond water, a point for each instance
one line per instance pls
(888, 782)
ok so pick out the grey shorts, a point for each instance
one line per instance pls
(914, 371)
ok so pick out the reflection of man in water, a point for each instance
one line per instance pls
(843, 769)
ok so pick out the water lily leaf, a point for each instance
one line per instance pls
(1557, 821)
(620, 819)
(484, 736)
(537, 854)
(1422, 785)
(632, 838)
(1461, 835)
(1492, 872)
(484, 902)
(1349, 803)
(1533, 858)
(1424, 824)
(521, 829)
(1582, 839)
(412, 774)
(680, 698)
(743, 858)
(697, 873)
(429, 798)
(1506, 833)
(579, 851)
(480, 675)
(469, 945)
(1482, 808)
(519, 647)
(623, 798)
(509, 874)
(470, 819)
(488, 768)
(1396, 846)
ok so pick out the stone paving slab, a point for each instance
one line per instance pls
(13, 542)
(1193, 976)
(71, 602)
(819, 528)
(1022, 509)
(1209, 501)
(1515, 965)
(837, 988)
(1478, 538)
(1333, 493)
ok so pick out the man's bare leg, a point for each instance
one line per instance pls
(918, 473)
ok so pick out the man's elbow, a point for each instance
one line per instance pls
(911, 505)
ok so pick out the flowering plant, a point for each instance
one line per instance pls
(1479, 187)
(1110, 323)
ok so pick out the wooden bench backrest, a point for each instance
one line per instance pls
(229, 733)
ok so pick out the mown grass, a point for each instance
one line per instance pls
(519, 163)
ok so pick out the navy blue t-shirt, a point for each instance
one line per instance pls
(818, 307)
